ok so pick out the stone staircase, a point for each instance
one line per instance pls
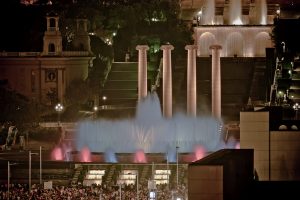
(145, 173)
(237, 78)
(77, 173)
(110, 174)
(118, 97)
(179, 85)
(120, 88)
(258, 84)
(295, 83)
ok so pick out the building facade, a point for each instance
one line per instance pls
(44, 76)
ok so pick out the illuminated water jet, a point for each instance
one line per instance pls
(261, 12)
(235, 12)
(85, 155)
(57, 154)
(199, 152)
(149, 132)
(140, 157)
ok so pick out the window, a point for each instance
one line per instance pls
(51, 75)
(33, 81)
(51, 48)
(52, 23)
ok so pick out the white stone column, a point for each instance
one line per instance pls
(167, 80)
(191, 81)
(216, 81)
(142, 71)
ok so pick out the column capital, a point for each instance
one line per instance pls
(215, 46)
(142, 47)
(167, 47)
(191, 47)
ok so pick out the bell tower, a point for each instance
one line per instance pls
(52, 36)
(82, 39)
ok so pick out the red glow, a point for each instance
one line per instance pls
(57, 154)
(85, 155)
(140, 157)
(237, 146)
(199, 152)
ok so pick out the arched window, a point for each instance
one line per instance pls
(81, 26)
(81, 47)
(262, 41)
(52, 22)
(235, 44)
(51, 48)
(205, 41)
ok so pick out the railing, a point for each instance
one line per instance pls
(75, 53)
(55, 124)
(158, 76)
(19, 54)
(52, 29)
(33, 54)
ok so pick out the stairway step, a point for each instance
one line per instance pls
(124, 66)
(124, 76)
(121, 84)
(119, 94)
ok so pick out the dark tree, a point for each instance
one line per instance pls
(17, 108)
(286, 35)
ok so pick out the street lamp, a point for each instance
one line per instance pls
(40, 165)
(177, 147)
(278, 12)
(95, 111)
(59, 108)
(120, 188)
(199, 17)
(296, 107)
(137, 185)
(283, 47)
(104, 98)
(29, 178)
(168, 183)
(8, 176)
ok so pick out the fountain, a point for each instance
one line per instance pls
(242, 39)
(209, 12)
(235, 12)
(149, 132)
(261, 12)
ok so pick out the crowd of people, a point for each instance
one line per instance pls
(93, 192)
(11, 137)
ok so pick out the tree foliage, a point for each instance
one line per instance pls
(17, 108)
(125, 23)
(286, 32)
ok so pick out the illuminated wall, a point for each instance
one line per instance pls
(241, 41)
(276, 153)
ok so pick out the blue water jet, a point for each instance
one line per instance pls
(149, 131)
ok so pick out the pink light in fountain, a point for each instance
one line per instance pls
(237, 145)
(57, 154)
(85, 155)
(140, 157)
(199, 152)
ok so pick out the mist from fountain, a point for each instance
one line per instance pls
(235, 12)
(149, 132)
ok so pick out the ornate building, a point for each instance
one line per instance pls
(44, 76)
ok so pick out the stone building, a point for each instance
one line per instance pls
(44, 76)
